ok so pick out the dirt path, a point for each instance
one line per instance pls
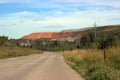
(47, 66)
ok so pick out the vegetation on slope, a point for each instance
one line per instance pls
(48, 45)
(91, 38)
(8, 48)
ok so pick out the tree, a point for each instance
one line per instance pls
(105, 40)
(3, 39)
(87, 39)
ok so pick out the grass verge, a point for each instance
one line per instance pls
(89, 63)
(7, 52)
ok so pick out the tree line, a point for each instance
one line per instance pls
(100, 40)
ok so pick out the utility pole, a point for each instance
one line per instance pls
(95, 29)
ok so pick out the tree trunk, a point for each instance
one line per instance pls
(104, 56)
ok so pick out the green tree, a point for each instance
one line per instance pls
(3, 39)
(105, 40)
(87, 39)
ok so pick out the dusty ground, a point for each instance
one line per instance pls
(47, 66)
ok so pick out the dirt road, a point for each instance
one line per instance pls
(47, 66)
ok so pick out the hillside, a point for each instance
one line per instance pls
(68, 34)
(47, 35)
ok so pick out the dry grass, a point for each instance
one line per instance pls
(6, 52)
(91, 55)
(89, 63)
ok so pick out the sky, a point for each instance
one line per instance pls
(22, 17)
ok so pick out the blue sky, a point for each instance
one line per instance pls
(18, 18)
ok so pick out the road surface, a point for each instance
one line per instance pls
(46, 66)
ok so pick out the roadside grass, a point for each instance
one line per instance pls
(89, 63)
(7, 52)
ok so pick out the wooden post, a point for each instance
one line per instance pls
(104, 56)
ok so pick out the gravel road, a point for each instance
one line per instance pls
(46, 66)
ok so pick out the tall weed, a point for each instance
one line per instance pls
(6, 52)
(89, 63)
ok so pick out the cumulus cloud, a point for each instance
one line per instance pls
(87, 17)
(39, 20)
(65, 14)
(23, 14)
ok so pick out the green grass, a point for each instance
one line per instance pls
(89, 63)
(7, 52)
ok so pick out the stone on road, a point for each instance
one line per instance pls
(46, 66)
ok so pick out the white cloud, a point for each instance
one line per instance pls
(23, 14)
(67, 13)
(21, 23)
